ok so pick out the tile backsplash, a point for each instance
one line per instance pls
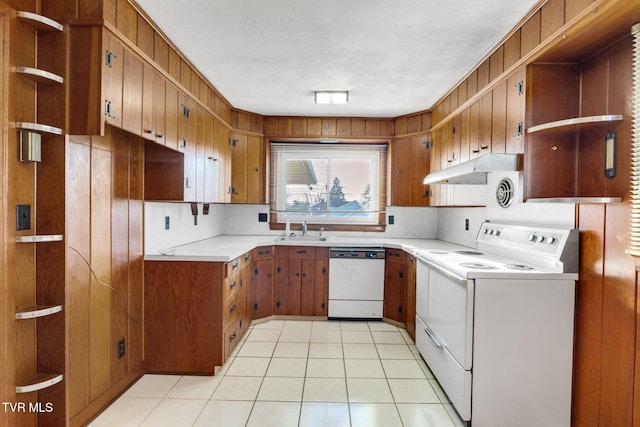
(243, 219)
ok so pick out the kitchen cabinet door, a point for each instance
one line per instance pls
(394, 291)
(321, 287)
(499, 118)
(153, 105)
(401, 172)
(211, 162)
(263, 295)
(222, 148)
(248, 181)
(148, 95)
(420, 167)
(307, 287)
(132, 93)
(294, 287)
(112, 75)
(485, 124)
(280, 288)
(171, 116)
(255, 170)
(515, 113)
(239, 185)
(187, 145)
(199, 142)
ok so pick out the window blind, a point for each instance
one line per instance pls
(634, 241)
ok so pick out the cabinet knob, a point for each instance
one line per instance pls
(149, 131)
(159, 135)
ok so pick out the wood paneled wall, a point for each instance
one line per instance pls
(606, 316)
(320, 127)
(105, 281)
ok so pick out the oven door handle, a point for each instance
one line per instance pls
(451, 275)
(436, 340)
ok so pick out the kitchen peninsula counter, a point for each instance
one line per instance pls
(226, 247)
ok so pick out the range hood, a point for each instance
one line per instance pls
(474, 171)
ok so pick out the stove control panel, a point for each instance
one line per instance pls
(534, 239)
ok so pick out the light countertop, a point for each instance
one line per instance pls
(227, 247)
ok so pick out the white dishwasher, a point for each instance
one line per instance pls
(356, 282)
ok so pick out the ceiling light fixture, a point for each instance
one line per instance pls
(332, 97)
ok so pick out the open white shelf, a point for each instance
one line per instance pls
(37, 127)
(39, 238)
(38, 311)
(39, 22)
(39, 382)
(575, 122)
(39, 76)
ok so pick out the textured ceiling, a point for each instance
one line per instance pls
(394, 57)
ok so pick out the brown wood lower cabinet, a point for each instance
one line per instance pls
(196, 312)
(301, 281)
(400, 289)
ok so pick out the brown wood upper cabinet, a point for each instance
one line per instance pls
(153, 105)
(112, 79)
(247, 171)
(410, 163)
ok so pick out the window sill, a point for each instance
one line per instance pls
(331, 227)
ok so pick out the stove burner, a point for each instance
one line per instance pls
(469, 252)
(478, 266)
(518, 267)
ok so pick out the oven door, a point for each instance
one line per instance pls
(448, 311)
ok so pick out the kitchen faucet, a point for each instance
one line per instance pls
(304, 228)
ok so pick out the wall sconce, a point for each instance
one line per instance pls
(332, 97)
(611, 143)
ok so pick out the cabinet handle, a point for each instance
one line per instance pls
(233, 307)
(247, 256)
(519, 129)
(232, 337)
(109, 57)
(186, 183)
(302, 251)
(149, 131)
(323, 305)
(475, 151)
(233, 285)
(159, 135)
(297, 274)
(234, 191)
(234, 265)
(484, 147)
(304, 274)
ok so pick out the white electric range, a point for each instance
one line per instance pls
(495, 325)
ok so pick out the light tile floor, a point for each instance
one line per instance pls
(297, 373)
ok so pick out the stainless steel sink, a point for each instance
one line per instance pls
(301, 239)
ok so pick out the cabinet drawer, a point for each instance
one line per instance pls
(230, 311)
(246, 259)
(233, 266)
(231, 286)
(396, 255)
(230, 339)
(263, 252)
(302, 252)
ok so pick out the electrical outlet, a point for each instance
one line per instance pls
(121, 350)
(392, 219)
(23, 217)
(466, 224)
(167, 222)
(205, 209)
(262, 217)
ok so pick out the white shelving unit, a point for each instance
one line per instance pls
(39, 238)
(574, 123)
(38, 311)
(39, 76)
(39, 22)
(39, 382)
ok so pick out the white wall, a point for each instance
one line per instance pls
(182, 229)
(243, 219)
